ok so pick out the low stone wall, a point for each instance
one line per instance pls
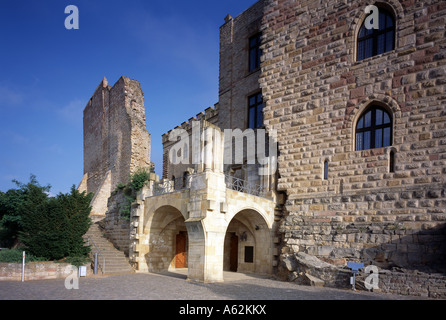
(413, 284)
(36, 271)
(306, 269)
(389, 227)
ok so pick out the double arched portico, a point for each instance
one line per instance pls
(206, 229)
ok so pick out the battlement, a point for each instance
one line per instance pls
(209, 114)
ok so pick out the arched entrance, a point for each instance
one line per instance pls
(168, 240)
(247, 245)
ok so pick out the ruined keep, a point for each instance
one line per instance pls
(116, 140)
(360, 123)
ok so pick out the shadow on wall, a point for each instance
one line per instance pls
(423, 250)
(386, 246)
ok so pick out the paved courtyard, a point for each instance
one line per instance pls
(173, 286)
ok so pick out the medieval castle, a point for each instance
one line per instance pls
(353, 93)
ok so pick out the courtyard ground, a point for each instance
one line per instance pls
(173, 286)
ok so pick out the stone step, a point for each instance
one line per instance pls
(115, 260)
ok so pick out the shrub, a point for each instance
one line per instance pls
(10, 216)
(53, 227)
(136, 183)
(77, 260)
(16, 256)
(139, 179)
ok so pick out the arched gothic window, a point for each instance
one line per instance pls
(372, 42)
(374, 129)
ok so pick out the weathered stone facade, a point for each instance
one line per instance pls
(315, 91)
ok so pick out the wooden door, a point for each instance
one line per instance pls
(233, 255)
(180, 251)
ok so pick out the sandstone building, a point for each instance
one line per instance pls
(360, 121)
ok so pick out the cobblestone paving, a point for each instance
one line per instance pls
(175, 287)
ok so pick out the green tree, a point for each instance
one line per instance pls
(10, 202)
(76, 208)
(53, 227)
(49, 227)
(45, 226)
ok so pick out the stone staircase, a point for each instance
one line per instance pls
(115, 260)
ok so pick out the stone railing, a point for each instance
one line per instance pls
(169, 186)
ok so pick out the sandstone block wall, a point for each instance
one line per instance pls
(314, 92)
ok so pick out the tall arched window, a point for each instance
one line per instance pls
(374, 129)
(372, 42)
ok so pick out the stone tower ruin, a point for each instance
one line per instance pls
(116, 140)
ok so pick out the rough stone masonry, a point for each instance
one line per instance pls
(116, 140)
(315, 90)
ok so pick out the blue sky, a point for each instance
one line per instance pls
(48, 74)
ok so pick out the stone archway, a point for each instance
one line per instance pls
(166, 231)
(254, 243)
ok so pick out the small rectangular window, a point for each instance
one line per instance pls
(326, 170)
(249, 254)
(392, 162)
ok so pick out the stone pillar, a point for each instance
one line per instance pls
(196, 254)
(206, 227)
(206, 249)
(214, 250)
